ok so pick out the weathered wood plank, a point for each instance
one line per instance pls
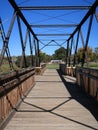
(52, 106)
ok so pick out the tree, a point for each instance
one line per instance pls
(88, 53)
(94, 57)
(95, 54)
(44, 57)
(28, 61)
(96, 50)
(60, 54)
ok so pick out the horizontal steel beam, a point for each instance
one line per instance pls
(50, 39)
(53, 34)
(54, 25)
(14, 5)
(54, 45)
(54, 7)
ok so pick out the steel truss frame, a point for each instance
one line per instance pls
(78, 30)
(35, 42)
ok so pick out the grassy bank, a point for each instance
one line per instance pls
(52, 66)
(92, 65)
(5, 68)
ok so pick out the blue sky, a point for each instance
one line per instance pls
(47, 17)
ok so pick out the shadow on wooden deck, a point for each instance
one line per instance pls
(76, 94)
(79, 95)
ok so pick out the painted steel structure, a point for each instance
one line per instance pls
(14, 85)
(35, 44)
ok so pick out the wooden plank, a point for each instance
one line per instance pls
(0, 110)
(87, 79)
(52, 105)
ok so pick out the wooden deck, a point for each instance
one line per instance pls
(54, 104)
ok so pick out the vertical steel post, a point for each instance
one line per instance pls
(67, 52)
(38, 54)
(83, 43)
(6, 41)
(87, 38)
(70, 50)
(9, 58)
(35, 52)
(31, 50)
(74, 62)
(2, 29)
(37, 60)
(23, 61)
(25, 40)
(82, 39)
(7, 49)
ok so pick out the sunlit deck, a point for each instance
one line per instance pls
(55, 103)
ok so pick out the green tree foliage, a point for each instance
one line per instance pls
(60, 54)
(44, 57)
(88, 52)
(28, 61)
(96, 50)
(94, 57)
(95, 54)
(18, 61)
